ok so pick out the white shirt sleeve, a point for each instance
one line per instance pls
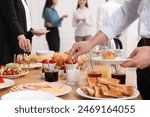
(123, 17)
(100, 17)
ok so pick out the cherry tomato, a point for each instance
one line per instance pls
(16, 72)
(1, 80)
(52, 61)
(44, 61)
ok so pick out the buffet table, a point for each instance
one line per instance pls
(35, 76)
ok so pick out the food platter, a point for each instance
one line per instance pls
(15, 76)
(55, 88)
(82, 94)
(37, 65)
(114, 61)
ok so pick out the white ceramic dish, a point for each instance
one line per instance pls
(29, 95)
(7, 83)
(15, 76)
(106, 61)
(82, 94)
(40, 31)
(45, 53)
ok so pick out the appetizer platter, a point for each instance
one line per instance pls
(63, 60)
(55, 88)
(106, 88)
(26, 61)
(13, 71)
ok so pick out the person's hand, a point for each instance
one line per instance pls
(49, 25)
(80, 48)
(24, 43)
(64, 16)
(37, 34)
(78, 21)
(140, 58)
(85, 46)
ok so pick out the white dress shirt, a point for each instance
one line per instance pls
(128, 13)
(28, 17)
(83, 28)
(105, 11)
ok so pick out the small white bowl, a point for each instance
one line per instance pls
(45, 53)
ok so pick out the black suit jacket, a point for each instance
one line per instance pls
(12, 24)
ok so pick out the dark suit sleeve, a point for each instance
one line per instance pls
(10, 16)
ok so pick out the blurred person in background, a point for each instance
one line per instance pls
(52, 23)
(82, 21)
(104, 12)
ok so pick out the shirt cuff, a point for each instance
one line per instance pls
(108, 31)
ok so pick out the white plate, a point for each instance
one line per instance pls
(82, 94)
(7, 83)
(29, 95)
(38, 65)
(45, 53)
(65, 90)
(115, 61)
(15, 76)
(68, 90)
(40, 31)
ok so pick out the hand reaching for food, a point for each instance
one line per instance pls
(24, 43)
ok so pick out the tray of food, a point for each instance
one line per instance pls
(26, 61)
(55, 88)
(12, 71)
(106, 89)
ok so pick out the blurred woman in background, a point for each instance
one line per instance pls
(82, 21)
(52, 23)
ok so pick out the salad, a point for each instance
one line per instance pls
(13, 70)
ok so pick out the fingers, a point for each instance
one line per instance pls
(25, 45)
(75, 51)
(131, 63)
(134, 53)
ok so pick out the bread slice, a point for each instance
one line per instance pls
(92, 81)
(106, 92)
(126, 90)
(99, 93)
(114, 89)
(101, 85)
(109, 81)
(88, 90)
(130, 91)
(84, 89)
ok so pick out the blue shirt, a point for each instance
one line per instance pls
(51, 15)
